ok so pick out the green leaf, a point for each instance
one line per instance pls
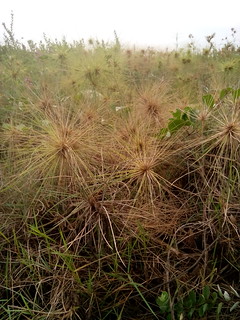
(180, 118)
(190, 114)
(176, 124)
(192, 295)
(201, 299)
(214, 296)
(233, 307)
(169, 317)
(177, 114)
(219, 308)
(190, 300)
(190, 313)
(202, 310)
(206, 292)
(188, 303)
(220, 291)
(164, 309)
(163, 133)
(163, 302)
(236, 94)
(193, 116)
(178, 307)
(164, 297)
(185, 117)
(208, 100)
(224, 92)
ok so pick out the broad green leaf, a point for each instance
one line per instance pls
(178, 307)
(225, 92)
(208, 100)
(164, 297)
(191, 312)
(164, 133)
(206, 292)
(193, 115)
(190, 300)
(177, 114)
(185, 116)
(169, 317)
(187, 109)
(201, 299)
(192, 295)
(163, 302)
(219, 308)
(163, 309)
(188, 303)
(176, 124)
(214, 296)
(202, 310)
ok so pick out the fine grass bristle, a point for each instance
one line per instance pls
(143, 162)
(220, 145)
(54, 151)
(155, 102)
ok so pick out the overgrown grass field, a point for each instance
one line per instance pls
(119, 181)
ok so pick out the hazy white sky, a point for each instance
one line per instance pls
(140, 22)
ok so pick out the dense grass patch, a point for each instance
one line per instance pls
(119, 182)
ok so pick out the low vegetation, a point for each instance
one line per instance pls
(119, 181)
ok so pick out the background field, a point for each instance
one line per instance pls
(119, 181)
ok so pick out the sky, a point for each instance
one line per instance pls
(143, 23)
